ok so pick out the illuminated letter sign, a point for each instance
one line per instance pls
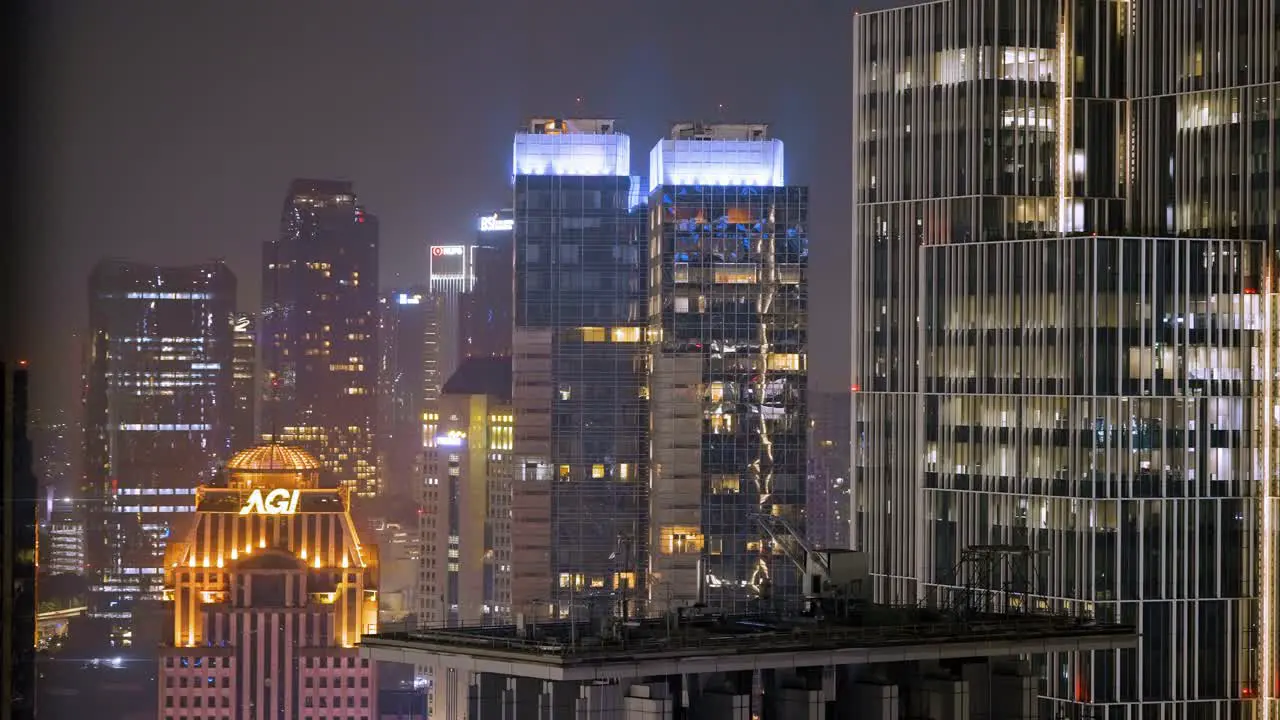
(446, 250)
(276, 502)
(493, 223)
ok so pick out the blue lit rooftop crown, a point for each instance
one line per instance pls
(717, 155)
(571, 147)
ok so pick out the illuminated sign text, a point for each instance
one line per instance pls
(446, 250)
(276, 502)
(493, 223)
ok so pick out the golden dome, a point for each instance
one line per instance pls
(273, 458)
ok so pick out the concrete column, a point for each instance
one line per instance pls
(1000, 689)
(492, 697)
(1014, 691)
(868, 700)
(794, 694)
(650, 701)
(601, 701)
(939, 699)
(721, 696)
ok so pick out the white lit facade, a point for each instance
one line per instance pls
(1065, 228)
(158, 414)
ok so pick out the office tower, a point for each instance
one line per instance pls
(827, 496)
(466, 498)
(465, 524)
(270, 588)
(62, 537)
(450, 280)
(244, 388)
(1065, 221)
(408, 380)
(18, 509)
(55, 438)
(319, 331)
(486, 311)
(157, 417)
(727, 328)
(581, 445)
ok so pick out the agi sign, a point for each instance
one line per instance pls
(276, 502)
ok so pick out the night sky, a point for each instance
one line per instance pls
(167, 132)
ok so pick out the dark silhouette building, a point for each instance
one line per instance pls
(18, 523)
(158, 414)
(409, 381)
(320, 331)
(486, 321)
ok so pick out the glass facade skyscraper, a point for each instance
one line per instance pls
(158, 412)
(728, 253)
(409, 384)
(1065, 228)
(581, 445)
(244, 380)
(320, 331)
(486, 320)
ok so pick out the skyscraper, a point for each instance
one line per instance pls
(408, 383)
(320, 331)
(158, 413)
(1065, 227)
(728, 345)
(581, 444)
(244, 388)
(18, 521)
(450, 280)
(486, 320)
(271, 588)
(466, 499)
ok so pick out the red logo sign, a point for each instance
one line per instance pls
(437, 251)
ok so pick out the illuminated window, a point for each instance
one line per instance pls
(564, 472)
(715, 391)
(679, 539)
(624, 471)
(592, 334)
(597, 471)
(785, 361)
(736, 273)
(626, 334)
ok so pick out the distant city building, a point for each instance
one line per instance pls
(466, 499)
(486, 320)
(18, 558)
(465, 525)
(581, 297)
(244, 388)
(270, 589)
(1065, 242)
(158, 413)
(450, 280)
(409, 382)
(728, 335)
(62, 537)
(828, 491)
(56, 438)
(320, 331)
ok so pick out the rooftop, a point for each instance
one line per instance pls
(273, 458)
(481, 376)
(564, 651)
